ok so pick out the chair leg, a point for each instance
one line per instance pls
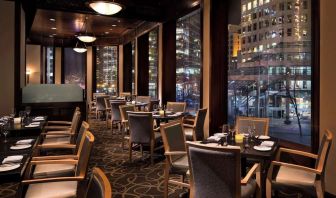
(268, 188)
(152, 152)
(319, 190)
(166, 179)
(130, 151)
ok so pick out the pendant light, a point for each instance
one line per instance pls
(86, 38)
(80, 47)
(105, 7)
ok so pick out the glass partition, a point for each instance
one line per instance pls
(74, 65)
(153, 63)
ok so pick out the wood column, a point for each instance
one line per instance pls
(127, 67)
(169, 61)
(143, 65)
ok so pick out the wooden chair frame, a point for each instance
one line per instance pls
(178, 103)
(98, 173)
(193, 126)
(253, 119)
(124, 123)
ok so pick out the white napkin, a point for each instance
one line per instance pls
(26, 141)
(214, 138)
(38, 119)
(219, 135)
(32, 125)
(8, 167)
(35, 123)
(12, 159)
(267, 143)
(20, 146)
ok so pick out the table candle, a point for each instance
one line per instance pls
(239, 138)
(161, 112)
(17, 120)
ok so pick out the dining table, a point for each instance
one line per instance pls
(31, 126)
(166, 116)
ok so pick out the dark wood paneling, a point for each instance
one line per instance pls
(143, 65)
(127, 68)
(94, 70)
(169, 61)
(219, 64)
(17, 55)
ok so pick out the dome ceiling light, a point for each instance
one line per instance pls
(86, 38)
(105, 7)
(80, 47)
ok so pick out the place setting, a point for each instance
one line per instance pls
(22, 144)
(11, 163)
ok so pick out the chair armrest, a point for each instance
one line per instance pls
(296, 152)
(188, 125)
(189, 120)
(55, 179)
(60, 122)
(254, 170)
(56, 146)
(304, 168)
(157, 129)
(175, 153)
(58, 133)
(56, 157)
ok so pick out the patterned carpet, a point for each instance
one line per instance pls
(136, 179)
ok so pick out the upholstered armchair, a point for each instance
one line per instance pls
(261, 125)
(124, 109)
(195, 131)
(115, 112)
(176, 106)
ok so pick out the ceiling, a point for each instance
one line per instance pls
(69, 16)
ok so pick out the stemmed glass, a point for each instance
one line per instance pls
(28, 110)
(5, 130)
(232, 132)
(22, 116)
(225, 129)
(12, 114)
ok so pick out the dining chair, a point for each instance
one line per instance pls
(143, 99)
(195, 132)
(124, 94)
(100, 105)
(92, 109)
(115, 112)
(98, 186)
(175, 152)
(107, 110)
(62, 142)
(153, 103)
(309, 181)
(42, 167)
(142, 132)
(61, 125)
(95, 95)
(215, 172)
(176, 106)
(60, 185)
(261, 125)
(124, 109)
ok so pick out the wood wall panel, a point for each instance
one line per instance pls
(127, 68)
(143, 65)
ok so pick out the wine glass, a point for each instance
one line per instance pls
(232, 132)
(22, 116)
(5, 130)
(28, 111)
(225, 129)
(12, 114)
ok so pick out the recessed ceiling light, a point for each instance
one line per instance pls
(111, 29)
(106, 32)
(53, 28)
(54, 34)
(52, 19)
(51, 36)
(118, 21)
(114, 25)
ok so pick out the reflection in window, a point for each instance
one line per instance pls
(275, 80)
(74, 67)
(153, 64)
(107, 70)
(133, 67)
(188, 60)
(49, 75)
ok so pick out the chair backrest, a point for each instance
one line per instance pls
(324, 151)
(199, 124)
(75, 122)
(144, 99)
(124, 109)
(141, 127)
(124, 94)
(100, 105)
(152, 103)
(176, 106)
(84, 154)
(173, 138)
(115, 111)
(214, 171)
(260, 124)
(95, 95)
(81, 135)
(107, 103)
(99, 185)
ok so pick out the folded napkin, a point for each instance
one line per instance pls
(26, 141)
(12, 159)
(214, 138)
(267, 143)
(219, 135)
(35, 123)
(38, 119)
(20, 146)
(32, 125)
(8, 167)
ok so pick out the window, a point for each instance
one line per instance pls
(261, 2)
(249, 6)
(74, 65)
(188, 60)
(107, 69)
(133, 67)
(272, 77)
(153, 63)
(50, 65)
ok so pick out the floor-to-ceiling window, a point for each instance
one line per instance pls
(153, 63)
(133, 67)
(270, 66)
(49, 65)
(74, 66)
(107, 69)
(189, 60)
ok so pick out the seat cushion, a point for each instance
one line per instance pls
(295, 177)
(188, 133)
(56, 140)
(180, 165)
(248, 190)
(52, 190)
(157, 136)
(53, 170)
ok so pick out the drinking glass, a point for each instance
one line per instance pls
(12, 114)
(28, 110)
(22, 116)
(5, 130)
(246, 140)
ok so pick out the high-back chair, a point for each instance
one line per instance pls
(115, 112)
(124, 109)
(95, 95)
(195, 132)
(144, 99)
(261, 125)
(142, 132)
(215, 172)
(62, 125)
(107, 109)
(124, 94)
(61, 186)
(152, 104)
(99, 186)
(100, 105)
(175, 152)
(176, 106)
(297, 178)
